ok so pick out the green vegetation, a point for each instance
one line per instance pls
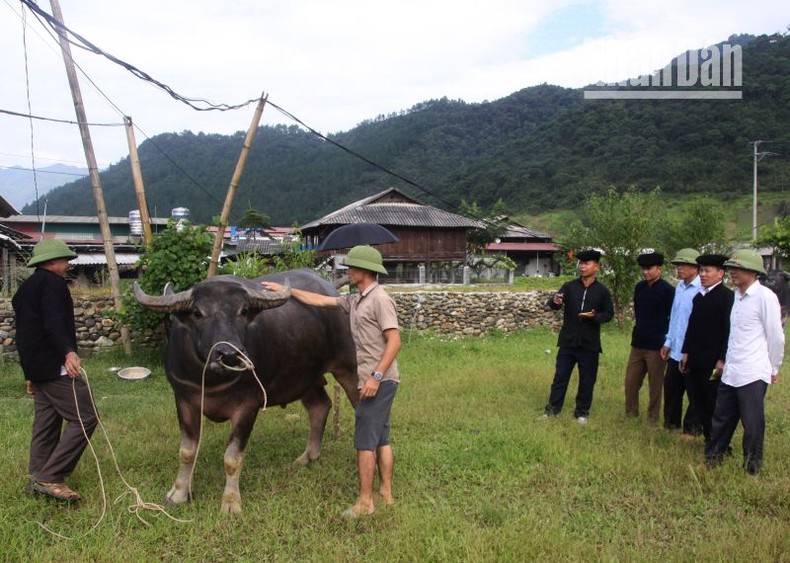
(539, 150)
(478, 477)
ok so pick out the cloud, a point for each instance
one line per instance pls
(334, 64)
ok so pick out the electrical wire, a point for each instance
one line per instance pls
(30, 112)
(55, 120)
(85, 44)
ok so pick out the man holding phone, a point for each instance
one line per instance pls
(586, 304)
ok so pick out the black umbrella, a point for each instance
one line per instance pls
(356, 234)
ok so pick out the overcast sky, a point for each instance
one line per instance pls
(331, 63)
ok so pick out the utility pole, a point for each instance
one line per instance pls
(758, 156)
(93, 170)
(234, 183)
(137, 176)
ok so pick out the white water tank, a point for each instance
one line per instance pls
(180, 213)
(135, 223)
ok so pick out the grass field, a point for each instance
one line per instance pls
(478, 476)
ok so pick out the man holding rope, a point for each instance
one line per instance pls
(47, 344)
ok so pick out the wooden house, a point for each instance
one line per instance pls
(531, 250)
(431, 239)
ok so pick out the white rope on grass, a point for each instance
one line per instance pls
(139, 503)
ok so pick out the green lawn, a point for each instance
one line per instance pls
(478, 476)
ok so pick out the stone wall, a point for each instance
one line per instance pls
(443, 312)
(475, 313)
(96, 328)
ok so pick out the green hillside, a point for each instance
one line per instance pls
(540, 149)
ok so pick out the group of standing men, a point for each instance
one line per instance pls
(721, 348)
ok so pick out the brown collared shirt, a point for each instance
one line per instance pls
(371, 313)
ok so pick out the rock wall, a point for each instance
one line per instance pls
(96, 328)
(475, 313)
(443, 312)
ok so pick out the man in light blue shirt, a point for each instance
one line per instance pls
(685, 262)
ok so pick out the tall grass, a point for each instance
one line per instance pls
(478, 477)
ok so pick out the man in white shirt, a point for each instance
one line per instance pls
(754, 355)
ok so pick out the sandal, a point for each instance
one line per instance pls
(58, 491)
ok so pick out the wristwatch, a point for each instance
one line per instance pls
(377, 375)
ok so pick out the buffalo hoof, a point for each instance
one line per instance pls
(304, 460)
(176, 496)
(231, 504)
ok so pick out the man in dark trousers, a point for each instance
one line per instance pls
(705, 345)
(652, 307)
(47, 345)
(754, 355)
(586, 304)
(687, 271)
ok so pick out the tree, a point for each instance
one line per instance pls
(621, 226)
(179, 255)
(777, 236)
(493, 227)
(699, 224)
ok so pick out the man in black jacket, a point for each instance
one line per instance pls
(587, 304)
(47, 345)
(705, 345)
(652, 306)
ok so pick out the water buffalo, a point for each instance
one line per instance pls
(291, 345)
(777, 280)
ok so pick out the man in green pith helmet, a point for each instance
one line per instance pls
(47, 344)
(754, 355)
(374, 327)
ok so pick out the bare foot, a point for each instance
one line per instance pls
(359, 510)
(387, 496)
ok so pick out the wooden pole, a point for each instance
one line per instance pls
(137, 176)
(93, 171)
(234, 183)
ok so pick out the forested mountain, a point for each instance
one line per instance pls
(541, 148)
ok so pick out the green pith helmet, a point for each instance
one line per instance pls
(366, 258)
(746, 259)
(686, 256)
(50, 249)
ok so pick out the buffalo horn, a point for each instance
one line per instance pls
(263, 299)
(168, 303)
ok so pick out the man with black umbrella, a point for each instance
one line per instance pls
(374, 327)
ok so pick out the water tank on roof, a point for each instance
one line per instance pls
(135, 223)
(180, 213)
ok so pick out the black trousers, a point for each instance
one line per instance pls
(702, 392)
(567, 359)
(674, 390)
(746, 404)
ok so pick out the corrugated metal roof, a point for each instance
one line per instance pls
(8, 242)
(523, 246)
(74, 219)
(96, 258)
(520, 231)
(399, 211)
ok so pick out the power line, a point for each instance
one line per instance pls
(55, 120)
(38, 171)
(85, 44)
